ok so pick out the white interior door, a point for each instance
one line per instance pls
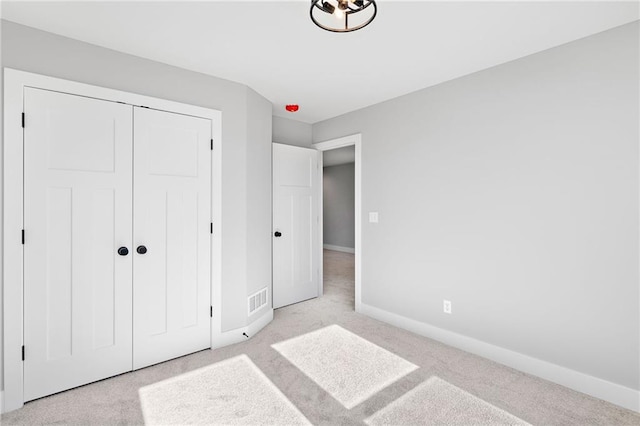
(77, 213)
(295, 224)
(172, 215)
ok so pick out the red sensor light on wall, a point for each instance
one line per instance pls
(292, 108)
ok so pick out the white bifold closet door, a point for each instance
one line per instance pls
(77, 213)
(117, 211)
(172, 205)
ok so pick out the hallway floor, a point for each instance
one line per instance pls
(533, 400)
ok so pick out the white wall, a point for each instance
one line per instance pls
(513, 192)
(291, 132)
(338, 205)
(246, 146)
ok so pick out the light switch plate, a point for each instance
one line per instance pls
(373, 217)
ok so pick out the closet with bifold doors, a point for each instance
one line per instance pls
(117, 241)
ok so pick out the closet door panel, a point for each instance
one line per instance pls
(172, 214)
(77, 212)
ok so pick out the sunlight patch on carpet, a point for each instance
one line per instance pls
(437, 402)
(348, 367)
(234, 391)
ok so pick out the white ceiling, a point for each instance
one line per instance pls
(274, 48)
(338, 156)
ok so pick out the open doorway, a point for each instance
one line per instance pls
(338, 219)
(338, 199)
(340, 248)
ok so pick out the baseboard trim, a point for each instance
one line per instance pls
(590, 385)
(339, 248)
(236, 336)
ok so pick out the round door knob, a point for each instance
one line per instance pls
(141, 249)
(123, 251)
(278, 234)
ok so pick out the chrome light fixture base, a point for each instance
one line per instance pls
(342, 16)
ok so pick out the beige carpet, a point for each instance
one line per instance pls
(437, 402)
(348, 367)
(116, 401)
(231, 392)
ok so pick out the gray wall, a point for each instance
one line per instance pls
(291, 132)
(513, 192)
(258, 197)
(1, 224)
(338, 205)
(246, 141)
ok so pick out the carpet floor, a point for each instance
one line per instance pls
(472, 382)
(229, 392)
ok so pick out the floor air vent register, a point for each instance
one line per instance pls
(257, 300)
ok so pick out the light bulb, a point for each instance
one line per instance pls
(339, 13)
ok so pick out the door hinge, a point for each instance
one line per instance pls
(22, 236)
(212, 227)
(211, 144)
(23, 352)
(211, 311)
(23, 120)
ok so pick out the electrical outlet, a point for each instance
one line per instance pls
(446, 306)
(373, 217)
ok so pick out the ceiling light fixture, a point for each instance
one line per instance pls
(342, 16)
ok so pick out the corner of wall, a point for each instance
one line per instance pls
(291, 132)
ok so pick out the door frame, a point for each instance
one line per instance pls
(356, 141)
(15, 82)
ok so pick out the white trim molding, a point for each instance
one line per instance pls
(339, 248)
(241, 334)
(14, 83)
(356, 141)
(590, 385)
